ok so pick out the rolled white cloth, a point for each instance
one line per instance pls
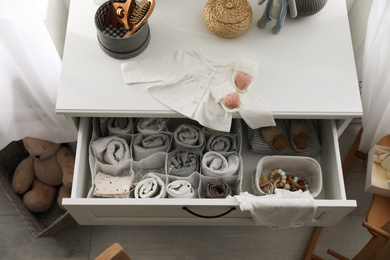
(111, 149)
(216, 165)
(120, 125)
(189, 136)
(151, 186)
(146, 145)
(151, 125)
(180, 189)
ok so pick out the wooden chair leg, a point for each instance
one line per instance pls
(309, 254)
(337, 255)
(114, 252)
(353, 152)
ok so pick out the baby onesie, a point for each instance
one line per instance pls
(191, 84)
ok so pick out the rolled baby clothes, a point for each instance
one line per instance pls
(143, 146)
(110, 186)
(189, 136)
(183, 162)
(151, 186)
(151, 125)
(120, 125)
(216, 165)
(180, 189)
(218, 190)
(111, 149)
(222, 142)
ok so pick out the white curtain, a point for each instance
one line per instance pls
(29, 77)
(376, 76)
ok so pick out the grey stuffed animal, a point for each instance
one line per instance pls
(276, 9)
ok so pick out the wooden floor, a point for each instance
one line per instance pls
(188, 242)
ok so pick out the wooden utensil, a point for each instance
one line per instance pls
(119, 13)
(140, 15)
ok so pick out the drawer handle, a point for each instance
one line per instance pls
(203, 216)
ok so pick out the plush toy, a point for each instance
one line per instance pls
(277, 9)
(384, 159)
(49, 166)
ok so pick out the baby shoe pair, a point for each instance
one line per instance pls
(228, 93)
(279, 142)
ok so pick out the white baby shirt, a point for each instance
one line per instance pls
(189, 82)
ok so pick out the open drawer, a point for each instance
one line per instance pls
(332, 204)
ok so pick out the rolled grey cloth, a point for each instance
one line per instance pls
(120, 125)
(189, 136)
(216, 165)
(218, 190)
(151, 125)
(183, 162)
(144, 146)
(111, 149)
(151, 186)
(222, 142)
(180, 189)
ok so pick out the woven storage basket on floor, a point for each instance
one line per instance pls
(228, 18)
(44, 224)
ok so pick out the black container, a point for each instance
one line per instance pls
(111, 39)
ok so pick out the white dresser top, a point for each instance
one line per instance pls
(306, 71)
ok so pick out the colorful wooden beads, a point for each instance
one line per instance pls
(280, 180)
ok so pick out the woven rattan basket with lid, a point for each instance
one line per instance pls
(228, 18)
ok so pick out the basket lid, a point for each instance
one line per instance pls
(230, 11)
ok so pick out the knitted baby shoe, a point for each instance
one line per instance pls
(242, 81)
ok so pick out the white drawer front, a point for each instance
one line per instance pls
(332, 204)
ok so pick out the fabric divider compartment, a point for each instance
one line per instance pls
(150, 176)
(116, 148)
(110, 159)
(291, 165)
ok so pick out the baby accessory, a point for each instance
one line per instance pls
(287, 172)
(110, 186)
(121, 34)
(216, 165)
(275, 137)
(151, 125)
(183, 162)
(227, 94)
(151, 186)
(277, 9)
(189, 136)
(222, 142)
(260, 141)
(186, 84)
(218, 190)
(111, 149)
(131, 14)
(280, 210)
(120, 125)
(180, 189)
(143, 146)
(299, 135)
(228, 18)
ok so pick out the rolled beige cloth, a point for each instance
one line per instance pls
(151, 186)
(180, 189)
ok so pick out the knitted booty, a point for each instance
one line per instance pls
(275, 137)
(299, 135)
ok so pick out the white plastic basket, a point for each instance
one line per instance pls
(292, 165)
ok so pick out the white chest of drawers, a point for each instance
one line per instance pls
(306, 71)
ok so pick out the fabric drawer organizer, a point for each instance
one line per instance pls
(163, 158)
